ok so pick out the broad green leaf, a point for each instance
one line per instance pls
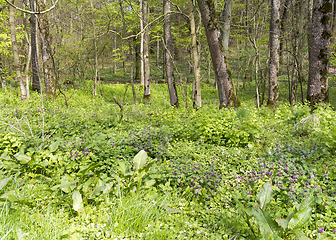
(108, 187)
(149, 183)
(122, 167)
(23, 159)
(241, 207)
(307, 202)
(264, 195)
(53, 147)
(282, 222)
(299, 235)
(77, 201)
(266, 225)
(140, 160)
(323, 236)
(3, 183)
(300, 218)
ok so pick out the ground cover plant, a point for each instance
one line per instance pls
(156, 172)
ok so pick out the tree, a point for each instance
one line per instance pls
(48, 65)
(196, 63)
(168, 42)
(145, 50)
(274, 45)
(226, 16)
(317, 91)
(16, 54)
(226, 92)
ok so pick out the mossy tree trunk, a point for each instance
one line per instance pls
(225, 86)
(317, 90)
(48, 65)
(17, 66)
(36, 81)
(274, 45)
(168, 42)
(226, 15)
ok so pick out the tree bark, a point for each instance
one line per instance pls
(283, 25)
(115, 58)
(317, 91)
(142, 69)
(48, 65)
(168, 41)
(36, 81)
(273, 97)
(95, 51)
(23, 90)
(26, 71)
(226, 14)
(196, 65)
(226, 91)
(146, 50)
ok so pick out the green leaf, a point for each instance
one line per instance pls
(122, 167)
(65, 186)
(140, 160)
(264, 195)
(307, 202)
(77, 201)
(300, 218)
(299, 235)
(23, 159)
(3, 183)
(53, 147)
(266, 225)
(149, 183)
(282, 222)
(323, 236)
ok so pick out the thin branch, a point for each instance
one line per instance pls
(30, 12)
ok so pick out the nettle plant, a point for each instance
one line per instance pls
(289, 227)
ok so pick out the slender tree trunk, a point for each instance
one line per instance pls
(317, 91)
(284, 17)
(226, 91)
(28, 59)
(95, 51)
(142, 62)
(196, 65)
(16, 54)
(48, 65)
(168, 41)
(2, 78)
(157, 51)
(36, 82)
(226, 14)
(130, 51)
(115, 58)
(273, 97)
(145, 10)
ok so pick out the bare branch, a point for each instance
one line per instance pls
(30, 12)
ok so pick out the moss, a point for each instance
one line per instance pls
(323, 56)
(326, 7)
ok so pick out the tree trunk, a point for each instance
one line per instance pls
(16, 54)
(2, 78)
(142, 68)
(48, 65)
(284, 17)
(196, 65)
(273, 97)
(226, 14)
(95, 51)
(115, 59)
(226, 91)
(36, 82)
(317, 91)
(146, 50)
(157, 51)
(168, 41)
(28, 46)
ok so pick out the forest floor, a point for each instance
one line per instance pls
(246, 173)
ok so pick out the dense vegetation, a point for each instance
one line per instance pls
(79, 172)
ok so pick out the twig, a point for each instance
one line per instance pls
(30, 12)
(11, 126)
(119, 104)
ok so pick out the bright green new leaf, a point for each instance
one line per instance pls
(3, 183)
(266, 225)
(282, 222)
(77, 201)
(307, 202)
(53, 147)
(300, 218)
(23, 159)
(140, 160)
(149, 183)
(299, 235)
(264, 195)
